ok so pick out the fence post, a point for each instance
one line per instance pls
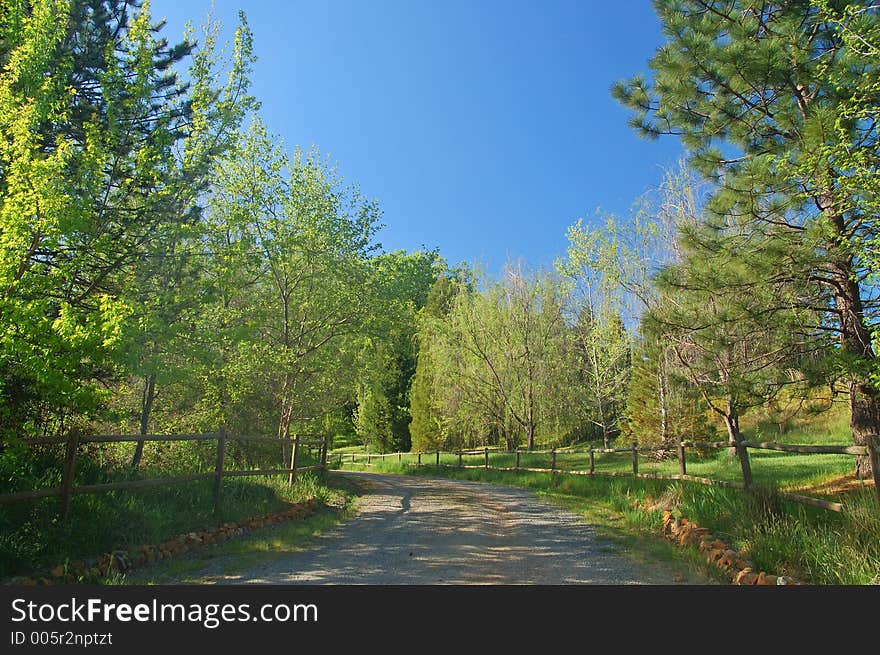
(553, 460)
(592, 462)
(517, 459)
(324, 449)
(399, 457)
(682, 464)
(635, 458)
(67, 475)
(487, 458)
(218, 469)
(459, 459)
(419, 460)
(294, 449)
(438, 458)
(873, 444)
(369, 457)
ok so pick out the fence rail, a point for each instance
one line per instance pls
(679, 449)
(68, 488)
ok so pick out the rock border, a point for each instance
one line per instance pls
(733, 562)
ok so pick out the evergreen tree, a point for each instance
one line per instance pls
(373, 416)
(402, 282)
(655, 394)
(757, 91)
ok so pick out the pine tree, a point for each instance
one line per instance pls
(756, 91)
(655, 394)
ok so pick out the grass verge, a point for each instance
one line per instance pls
(229, 559)
(32, 538)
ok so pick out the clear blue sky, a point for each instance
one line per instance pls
(483, 128)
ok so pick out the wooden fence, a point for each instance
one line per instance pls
(634, 450)
(68, 488)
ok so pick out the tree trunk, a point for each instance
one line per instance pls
(855, 341)
(865, 410)
(864, 399)
(148, 397)
(284, 432)
(731, 421)
(661, 397)
(530, 436)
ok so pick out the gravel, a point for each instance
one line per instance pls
(415, 530)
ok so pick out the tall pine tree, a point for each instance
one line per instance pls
(756, 91)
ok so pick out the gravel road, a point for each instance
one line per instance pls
(414, 530)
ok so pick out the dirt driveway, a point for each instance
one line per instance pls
(415, 530)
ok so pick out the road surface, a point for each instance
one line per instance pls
(415, 530)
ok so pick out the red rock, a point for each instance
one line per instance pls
(726, 561)
(745, 577)
(764, 579)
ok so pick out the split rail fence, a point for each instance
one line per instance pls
(434, 458)
(68, 488)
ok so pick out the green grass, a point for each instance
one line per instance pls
(32, 538)
(264, 545)
(789, 472)
(780, 537)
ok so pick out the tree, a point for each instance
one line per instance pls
(612, 267)
(426, 428)
(401, 282)
(720, 336)
(90, 112)
(294, 247)
(601, 344)
(373, 414)
(657, 391)
(500, 360)
(166, 288)
(757, 92)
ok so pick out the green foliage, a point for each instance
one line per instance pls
(373, 417)
(402, 283)
(499, 363)
(772, 102)
(82, 120)
(646, 403)
(31, 538)
(426, 428)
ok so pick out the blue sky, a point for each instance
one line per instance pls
(483, 128)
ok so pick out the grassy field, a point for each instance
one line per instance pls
(783, 471)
